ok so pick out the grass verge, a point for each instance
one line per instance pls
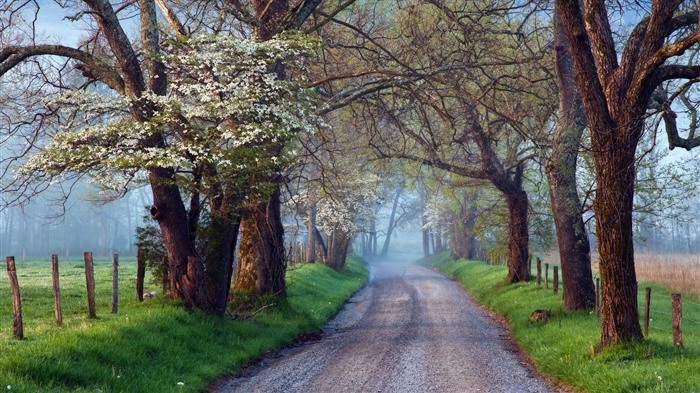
(563, 348)
(151, 346)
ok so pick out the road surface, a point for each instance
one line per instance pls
(410, 330)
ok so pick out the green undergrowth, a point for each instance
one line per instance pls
(154, 346)
(564, 348)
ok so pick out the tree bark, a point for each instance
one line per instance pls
(220, 243)
(169, 211)
(338, 250)
(261, 264)
(517, 236)
(574, 248)
(613, 210)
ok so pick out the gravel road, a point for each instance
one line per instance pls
(410, 330)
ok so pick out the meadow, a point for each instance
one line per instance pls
(154, 346)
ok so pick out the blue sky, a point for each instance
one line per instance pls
(52, 25)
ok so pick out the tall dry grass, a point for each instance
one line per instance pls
(677, 272)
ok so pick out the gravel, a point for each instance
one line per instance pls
(410, 330)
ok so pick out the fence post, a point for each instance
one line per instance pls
(90, 284)
(140, 273)
(597, 296)
(16, 303)
(546, 276)
(115, 283)
(647, 303)
(556, 279)
(56, 290)
(529, 266)
(539, 271)
(677, 316)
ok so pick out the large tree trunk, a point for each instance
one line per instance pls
(390, 229)
(169, 211)
(615, 167)
(220, 243)
(517, 237)
(261, 264)
(574, 248)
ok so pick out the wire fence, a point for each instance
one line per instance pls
(661, 311)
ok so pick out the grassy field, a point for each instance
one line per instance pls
(564, 348)
(150, 346)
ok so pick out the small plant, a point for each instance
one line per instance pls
(150, 241)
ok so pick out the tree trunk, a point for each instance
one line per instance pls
(574, 248)
(438, 239)
(462, 242)
(311, 241)
(517, 236)
(320, 245)
(390, 229)
(221, 236)
(261, 264)
(373, 239)
(615, 167)
(169, 211)
(338, 250)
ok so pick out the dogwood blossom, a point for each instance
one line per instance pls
(225, 102)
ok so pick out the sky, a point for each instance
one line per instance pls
(52, 25)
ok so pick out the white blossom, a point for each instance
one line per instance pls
(223, 95)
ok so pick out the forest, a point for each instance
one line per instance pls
(223, 130)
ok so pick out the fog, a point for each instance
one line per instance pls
(68, 228)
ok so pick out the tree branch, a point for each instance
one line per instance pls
(11, 56)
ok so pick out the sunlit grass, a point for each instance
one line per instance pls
(564, 348)
(153, 346)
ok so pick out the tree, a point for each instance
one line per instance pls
(567, 210)
(616, 89)
(195, 132)
(442, 111)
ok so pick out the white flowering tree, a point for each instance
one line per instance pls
(339, 212)
(192, 115)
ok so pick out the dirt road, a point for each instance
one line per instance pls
(410, 330)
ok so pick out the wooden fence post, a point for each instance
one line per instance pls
(16, 303)
(546, 276)
(647, 303)
(56, 290)
(90, 284)
(677, 316)
(539, 271)
(597, 296)
(556, 279)
(115, 283)
(140, 273)
(529, 266)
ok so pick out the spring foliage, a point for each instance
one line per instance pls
(224, 97)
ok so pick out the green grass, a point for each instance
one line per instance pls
(152, 346)
(564, 348)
